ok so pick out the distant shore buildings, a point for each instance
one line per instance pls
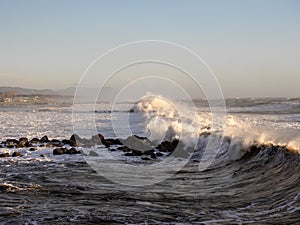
(13, 97)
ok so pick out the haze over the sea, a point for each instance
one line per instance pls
(252, 46)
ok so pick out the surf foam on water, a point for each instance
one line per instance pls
(166, 120)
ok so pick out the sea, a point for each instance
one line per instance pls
(245, 170)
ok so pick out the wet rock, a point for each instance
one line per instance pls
(14, 141)
(35, 141)
(96, 140)
(56, 143)
(72, 151)
(133, 142)
(137, 152)
(16, 154)
(87, 143)
(153, 155)
(75, 140)
(159, 154)
(141, 138)
(167, 146)
(23, 139)
(128, 154)
(32, 149)
(44, 139)
(124, 149)
(149, 152)
(43, 155)
(23, 143)
(75, 137)
(146, 158)
(101, 137)
(114, 141)
(10, 144)
(59, 151)
(3, 155)
(108, 142)
(66, 142)
(1, 146)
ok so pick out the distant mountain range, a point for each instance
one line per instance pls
(106, 91)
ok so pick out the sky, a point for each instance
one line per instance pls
(253, 47)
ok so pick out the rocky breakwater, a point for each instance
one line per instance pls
(132, 146)
(13, 147)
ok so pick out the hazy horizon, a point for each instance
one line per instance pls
(252, 46)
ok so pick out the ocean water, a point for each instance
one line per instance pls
(242, 185)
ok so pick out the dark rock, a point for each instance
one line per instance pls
(74, 144)
(14, 141)
(149, 152)
(137, 152)
(145, 158)
(121, 148)
(56, 143)
(75, 138)
(43, 155)
(96, 140)
(114, 141)
(32, 149)
(3, 155)
(101, 137)
(133, 142)
(153, 155)
(159, 154)
(44, 139)
(10, 144)
(128, 154)
(28, 144)
(163, 146)
(141, 138)
(16, 154)
(59, 151)
(21, 145)
(112, 149)
(35, 141)
(124, 149)
(23, 139)
(23, 142)
(1, 146)
(167, 146)
(66, 142)
(72, 151)
(108, 142)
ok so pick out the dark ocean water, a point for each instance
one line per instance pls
(244, 184)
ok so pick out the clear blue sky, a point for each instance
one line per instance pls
(252, 46)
